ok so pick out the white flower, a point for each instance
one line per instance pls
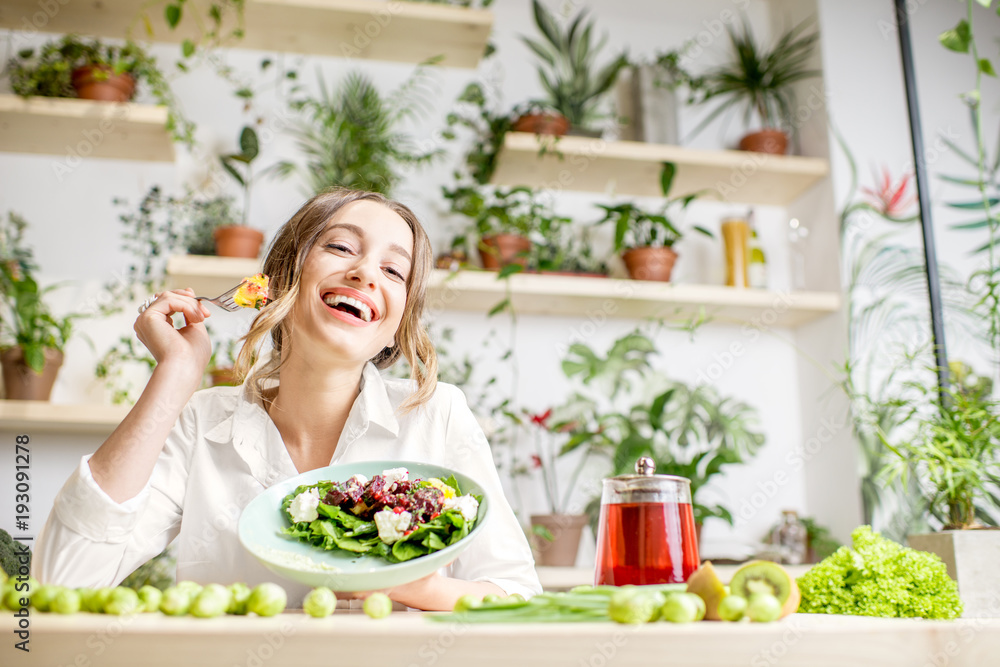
(303, 507)
(393, 475)
(392, 526)
(467, 505)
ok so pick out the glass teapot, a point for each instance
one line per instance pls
(646, 533)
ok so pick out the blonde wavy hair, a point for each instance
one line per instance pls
(283, 265)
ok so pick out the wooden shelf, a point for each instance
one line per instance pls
(479, 291)
(633, 168)
(584, 296)
(208, 275)
(72, 129)
(399, 31)
(41, 416)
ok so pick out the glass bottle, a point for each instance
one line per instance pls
(792, 538)
(736, 238)
(757, 268)
(797, 235)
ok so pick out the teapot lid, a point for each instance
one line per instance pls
(645, 469)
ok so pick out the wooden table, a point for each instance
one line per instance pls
(411, 639)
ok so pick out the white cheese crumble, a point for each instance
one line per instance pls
(358, 479)
(392, 526)
(467, 505)
(393, 475)
(303, 507)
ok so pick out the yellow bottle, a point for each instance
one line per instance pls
(735, 238)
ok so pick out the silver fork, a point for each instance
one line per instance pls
(224, 301)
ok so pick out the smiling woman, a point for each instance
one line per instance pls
(348, 275)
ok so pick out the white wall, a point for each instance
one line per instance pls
(75, 233)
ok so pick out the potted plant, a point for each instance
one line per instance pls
(646, 238)
(32, 340)
(241, 240)
(689, 431)
(503, 220)
(220, 369)
(760, 81)
(92, 70)
(555, 534)
(563, 252)
(539, 117)
(351, 137)
(568, 71)
(203, 217)
(955, 456)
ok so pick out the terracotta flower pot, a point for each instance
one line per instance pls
(23, 384)
(499, 250)
(238, 241)
(767, 140)
(566, 529)
(108, 87)
(542, 123)
(650, 263)
(223, 377)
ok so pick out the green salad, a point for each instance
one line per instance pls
(389, 516)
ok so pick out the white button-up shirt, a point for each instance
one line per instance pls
(224, 450)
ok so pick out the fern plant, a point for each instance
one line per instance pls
(351, 137)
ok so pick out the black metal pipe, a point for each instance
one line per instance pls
(923, 196)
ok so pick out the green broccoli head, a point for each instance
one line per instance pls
(880, 578)
(11, 553)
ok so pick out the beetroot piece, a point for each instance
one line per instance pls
(405, 495)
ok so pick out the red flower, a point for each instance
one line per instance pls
(542, 418)
(891, 200)
(536, 460)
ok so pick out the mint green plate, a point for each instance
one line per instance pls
(262, 520)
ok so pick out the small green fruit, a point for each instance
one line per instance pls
(150, 598)
(239, 594)
(378, 605)
(42, 598)
(732, 608)
(212, 601)
(122, 601)
(267, 600)
(630, 606)
(176, 601)
(97, 601)
(681, 608)
(466, 603)
(66, 601)
(320, 602)
(763, 608)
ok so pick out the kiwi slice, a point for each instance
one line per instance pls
(763, 576)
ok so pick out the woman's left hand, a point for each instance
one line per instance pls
(433, 592)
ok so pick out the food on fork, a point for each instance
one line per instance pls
(253, 292)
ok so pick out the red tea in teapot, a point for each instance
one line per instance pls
(646, 543)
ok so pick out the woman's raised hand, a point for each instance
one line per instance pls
(189, 346)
